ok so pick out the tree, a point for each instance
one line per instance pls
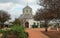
(4, 16)
(51, 5)
(17, 21)
(45, 16)
(51, 10)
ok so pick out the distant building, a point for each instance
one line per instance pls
(27, 17)
(6, 24)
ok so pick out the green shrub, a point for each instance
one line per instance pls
(18, 30)
(1, 31)
(34, 25)
(42, 25)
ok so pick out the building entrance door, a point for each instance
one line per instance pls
(27, 24)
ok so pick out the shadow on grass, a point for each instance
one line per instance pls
(52, 34)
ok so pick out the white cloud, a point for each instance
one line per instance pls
(35, 7)
(4, 6)
(15, 9)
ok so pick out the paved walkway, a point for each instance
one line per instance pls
(35, 33)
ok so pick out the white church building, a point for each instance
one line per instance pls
(27, 17)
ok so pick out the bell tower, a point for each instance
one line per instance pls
(27, 10)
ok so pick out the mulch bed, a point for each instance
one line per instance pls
(52, 34)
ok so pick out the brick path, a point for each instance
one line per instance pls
(35, 33)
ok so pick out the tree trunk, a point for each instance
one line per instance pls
(46, 29)
(2, 24)
(58, 25)
(46, 26)
(40, 24)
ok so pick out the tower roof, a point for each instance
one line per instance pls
(27, 7)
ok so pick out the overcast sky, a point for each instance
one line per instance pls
(14, 7)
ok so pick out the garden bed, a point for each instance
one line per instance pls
(14, 32)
